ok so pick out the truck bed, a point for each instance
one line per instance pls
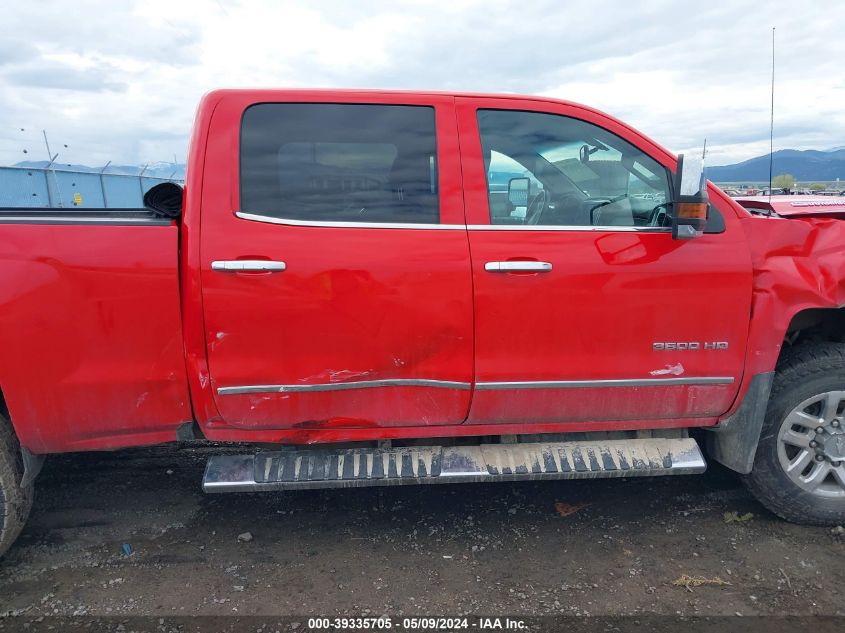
(90, 328)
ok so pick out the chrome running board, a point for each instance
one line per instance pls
(310, 468)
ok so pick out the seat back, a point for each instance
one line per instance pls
(619, 213)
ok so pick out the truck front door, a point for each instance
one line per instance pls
(586, 309)
(335, 271)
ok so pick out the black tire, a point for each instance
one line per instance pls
(15, 500)
(804, 372)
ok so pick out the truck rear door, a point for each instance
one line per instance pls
(335, 270)
(586, 309)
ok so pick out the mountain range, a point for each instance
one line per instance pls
(806, 165)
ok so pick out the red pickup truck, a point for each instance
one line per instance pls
(413, 287)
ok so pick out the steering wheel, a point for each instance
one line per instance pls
(657, 216)
(536, 208)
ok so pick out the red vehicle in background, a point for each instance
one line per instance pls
(345, 277)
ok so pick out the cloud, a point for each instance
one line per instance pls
(56, 77)
(12, 52)
(121, 82)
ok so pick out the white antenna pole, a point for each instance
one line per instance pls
(141, 180)
(52, 168)
(47, 143)
(103, 185)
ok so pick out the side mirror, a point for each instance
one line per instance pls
(689, 208)
(518, 191)
(164, 200)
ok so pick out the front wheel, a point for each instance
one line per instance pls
(799, 467)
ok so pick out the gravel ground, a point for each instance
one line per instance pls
(602, 547)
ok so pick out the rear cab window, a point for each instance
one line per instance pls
(330, 162)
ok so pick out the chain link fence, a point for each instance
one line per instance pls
(47, 188)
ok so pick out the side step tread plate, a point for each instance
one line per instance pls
(304, 468)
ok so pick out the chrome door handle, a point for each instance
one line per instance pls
(248, 265)
(506, 267)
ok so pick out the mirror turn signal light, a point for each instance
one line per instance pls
(691, 211)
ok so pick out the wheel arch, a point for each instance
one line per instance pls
(32, 463)
(814, 325)
(733, 443)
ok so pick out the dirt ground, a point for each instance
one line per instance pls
(602, 547)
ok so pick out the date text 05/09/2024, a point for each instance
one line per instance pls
(418, 623)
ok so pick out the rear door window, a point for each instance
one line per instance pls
(340, 163)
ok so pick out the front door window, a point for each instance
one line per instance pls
(580, 174)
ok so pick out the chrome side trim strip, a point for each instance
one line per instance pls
(344, 386)
(483, 386)
(255, 217)
(587, 229)
(585, 384)
(91, 221)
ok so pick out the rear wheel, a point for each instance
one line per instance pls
(799, 467)
(15, 500)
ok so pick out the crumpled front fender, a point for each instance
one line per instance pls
(798, 265)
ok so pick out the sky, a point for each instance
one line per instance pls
(118, 80)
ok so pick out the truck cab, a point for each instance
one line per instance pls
(416, 294)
